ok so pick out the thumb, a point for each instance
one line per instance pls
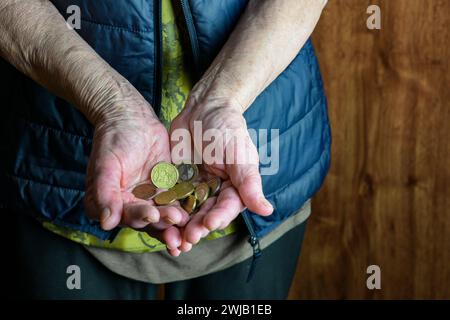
(247, 180)
(244, 173)
(103, 195)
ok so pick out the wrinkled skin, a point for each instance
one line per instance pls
(129, 141)
(242, 185)
(126, 146)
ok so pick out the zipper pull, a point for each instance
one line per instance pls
(254, 242)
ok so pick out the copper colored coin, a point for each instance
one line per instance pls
(214, 185)
(144, 191)
(189, 204)
(202, 193)
(183, 189)
(165, 198)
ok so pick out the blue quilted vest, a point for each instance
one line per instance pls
(46, 142)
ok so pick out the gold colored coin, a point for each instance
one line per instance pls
(144, 191)
(164, 175)
(189, 204)
(214, 185)
(165, 198)
(183, 189)
(187, 172)
(202, 193)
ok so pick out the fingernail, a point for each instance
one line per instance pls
(176, 253)
(105, 214)
(187, 247)
(214, 227)
(176, 246)
(265, 203)
(168, 220)
(148, 220)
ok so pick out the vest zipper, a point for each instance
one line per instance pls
(192, 35)
(253, 238)
(158, 57)
(254, 242)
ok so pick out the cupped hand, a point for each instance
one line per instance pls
(128, 141)
(237, 163)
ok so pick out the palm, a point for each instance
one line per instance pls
(136, 149)
(218, 212)
(124, 151)
(127, 150)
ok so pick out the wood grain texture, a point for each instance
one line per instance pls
(386, 200)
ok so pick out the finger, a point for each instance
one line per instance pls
(162, 236)
(185, 218)
(247, 180)
(139, 214)
(195, 229)
(185, 246)
(168, 215)
(155, 229)
(171, 215)
(226, 209)
(171, 237)
(174, 252)
(103, 194)
(244, 174)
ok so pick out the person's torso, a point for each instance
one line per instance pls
(48, 142)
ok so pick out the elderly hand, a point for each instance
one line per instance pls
(128, 141)
(237, 164)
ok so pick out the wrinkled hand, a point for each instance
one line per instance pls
(242, 185)
(128, 141)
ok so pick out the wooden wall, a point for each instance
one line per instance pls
(386, 200)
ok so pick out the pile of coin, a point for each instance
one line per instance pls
(181, 183)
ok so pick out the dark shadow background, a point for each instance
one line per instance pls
(386, 200)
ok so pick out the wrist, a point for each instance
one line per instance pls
(117, 101)
(216, 91)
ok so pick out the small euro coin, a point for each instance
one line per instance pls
(189, 204)
(165, 198)
(201, 193)
(144, 191)
(164, 175)
(214, 185)
(183, 189)
(187, 172)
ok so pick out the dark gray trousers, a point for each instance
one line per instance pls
(36, 262)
